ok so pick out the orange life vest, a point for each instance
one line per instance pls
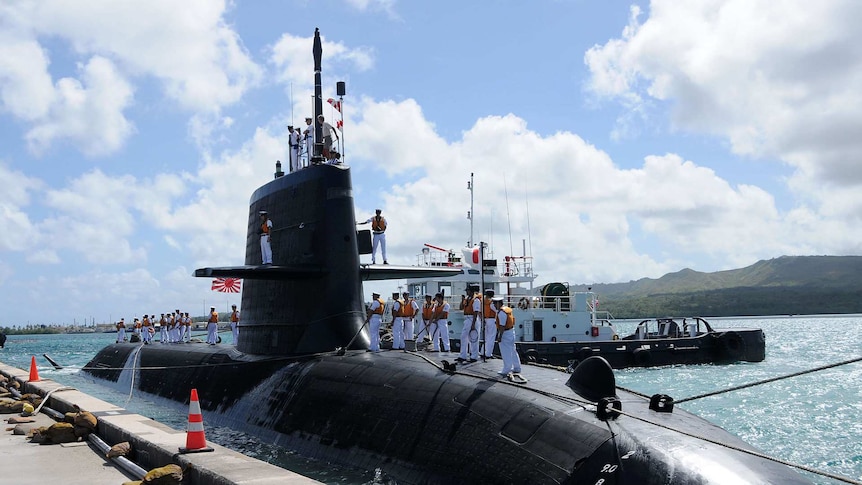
(378, 223)
(120, 325)
(264, 228)
(468, 307)
(427, 311)
(489, 310)
(379, 309)
(146, 322)
(407, 309)
(214, 317)
(510, 321)
(440, 312)
(400, 311)
(234, 317)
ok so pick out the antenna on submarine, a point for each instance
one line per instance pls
(317, 51)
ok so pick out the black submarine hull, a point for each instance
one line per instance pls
(402, 413)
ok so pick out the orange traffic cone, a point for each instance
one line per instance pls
(196, 441)
(34, 373)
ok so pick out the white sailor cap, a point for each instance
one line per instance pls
(263, 212)
(497, 299)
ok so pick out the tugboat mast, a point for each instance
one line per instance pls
(470, 214)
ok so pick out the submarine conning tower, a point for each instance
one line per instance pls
(311, 299)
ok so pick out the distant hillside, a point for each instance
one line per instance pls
(784, 285)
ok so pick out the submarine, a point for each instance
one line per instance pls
(301, 375)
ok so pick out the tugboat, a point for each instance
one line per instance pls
(561, 327)
(301, 375)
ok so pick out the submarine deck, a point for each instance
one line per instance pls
(154, 444)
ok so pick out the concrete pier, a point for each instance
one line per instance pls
(153, 444)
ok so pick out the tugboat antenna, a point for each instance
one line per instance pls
(470, 214)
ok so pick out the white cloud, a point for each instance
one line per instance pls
(26, 90)
(198, 59)
(89, 114)
(778, 81)
(16, 228)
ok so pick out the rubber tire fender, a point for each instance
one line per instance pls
(732, 345)
(642, 357)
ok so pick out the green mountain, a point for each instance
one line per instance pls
(784, 285)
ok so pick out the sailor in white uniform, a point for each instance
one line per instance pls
(490, 324)
(293, 141)
(408, 315)
(375, 312)
(506, 330)
(265, 232)
(397, 323)
(470, 331)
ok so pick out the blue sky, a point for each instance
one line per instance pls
(621, 140)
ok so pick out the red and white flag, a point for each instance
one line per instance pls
(339, 124)
(227, 285)
(335, 104)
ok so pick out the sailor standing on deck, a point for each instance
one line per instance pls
(234, 324)
(163, 329)
(145, 324)
(427, 313)
(121, 331)
(187, 328)
(309, 141)
(212, 327)
(397, 323)
(265, 232)
(440, 323)
(470, 331)
(328, 132)
(408, 314)
(490, 324)
(374, 316)
(506, 332)
(293, 141)
(378, 229)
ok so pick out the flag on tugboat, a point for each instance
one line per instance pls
(227, 285)
(335, 104)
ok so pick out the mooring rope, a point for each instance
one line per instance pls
(766, 381)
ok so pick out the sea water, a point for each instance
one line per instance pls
(813, 420)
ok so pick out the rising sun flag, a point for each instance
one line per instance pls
(227, 285)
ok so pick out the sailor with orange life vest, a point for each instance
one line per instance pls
(234, 324)
(506, 338)
(146, 327)
(440, 323)
(397, 323)
(409, 309)
(374, 317)
(490, 329)
(121, 331)
(265, 232)
(427, 313)
(470, 331)
(378, 231)
(212, 327)
(136, 329)
(163, 329)
(187, 328)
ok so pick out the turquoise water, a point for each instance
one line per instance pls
(813, 420)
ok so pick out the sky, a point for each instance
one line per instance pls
(610, 140)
